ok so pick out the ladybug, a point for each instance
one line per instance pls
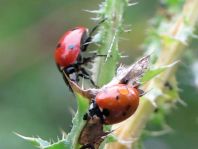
(114, 104)
(68, 53)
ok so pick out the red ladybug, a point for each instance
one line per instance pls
(70, 46)
(68, 53)
(115, 103)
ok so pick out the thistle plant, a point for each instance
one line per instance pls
(168, 40)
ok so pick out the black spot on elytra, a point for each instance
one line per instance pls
(128, 107)
(124, 113)
(106, 112)
(59, 45)
(117, 97)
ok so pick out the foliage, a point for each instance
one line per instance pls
(108, 37)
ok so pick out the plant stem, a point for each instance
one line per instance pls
(109, 32)
(132, 128)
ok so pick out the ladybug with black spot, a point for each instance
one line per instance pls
(115, 103)
(68, 54)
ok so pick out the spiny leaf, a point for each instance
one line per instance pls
(71, 141)
(57, 145)
(38, 142)
(95, 11)
(156, 71)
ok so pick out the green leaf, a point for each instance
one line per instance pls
(57, 145)
(71, 141)
(109, 32)
(156, 71)
(38, 142)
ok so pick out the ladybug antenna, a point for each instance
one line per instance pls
(89, 39)
(97, 25)
(88, 93)
(87, 43)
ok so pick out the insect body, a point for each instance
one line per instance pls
(115, 103)
(68, 54)
(69, 47)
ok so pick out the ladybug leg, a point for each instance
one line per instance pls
(69, 71)
(141, 92)
(89, 38)
(94, 110)
(87, 76)
(86, 60)
(88, 146)
(79, 58)
(136, 84)
(97, 25)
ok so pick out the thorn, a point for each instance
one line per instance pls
(183, 103)
(88, 43)
(111, 45)
(194, 36)
(72, 111)
(64, 134)
(127, 142)
(16, 133)
(127, 30)
(93, 11)
(132, 4)
(154, 103)
(151, 52)
(122, 38)
(124, 56)
(164, 131)
(96, 19)
(51, 140)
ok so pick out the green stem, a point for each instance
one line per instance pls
(109, 32)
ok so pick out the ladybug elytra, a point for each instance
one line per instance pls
(70, 46)
(114, 103)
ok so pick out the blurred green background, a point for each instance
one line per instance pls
(34, 100)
